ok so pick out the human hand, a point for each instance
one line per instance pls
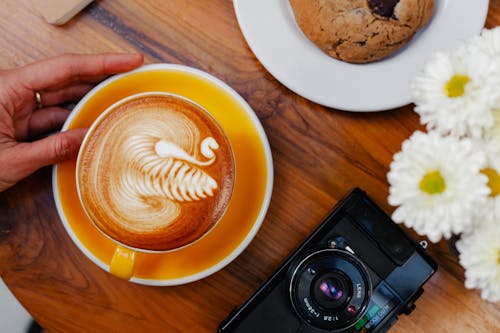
(58, 80)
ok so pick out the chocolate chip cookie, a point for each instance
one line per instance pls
(361, 31)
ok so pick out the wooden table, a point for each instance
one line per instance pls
(319, 154)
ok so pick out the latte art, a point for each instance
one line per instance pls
(169, 149)
(156, 173)
(159, 168)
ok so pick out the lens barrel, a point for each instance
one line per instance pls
(330, 289)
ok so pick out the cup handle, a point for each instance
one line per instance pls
(123, 262)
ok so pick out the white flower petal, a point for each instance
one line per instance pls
(480, 256)
(488, 42)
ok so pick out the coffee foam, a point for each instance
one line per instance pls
(156, 173)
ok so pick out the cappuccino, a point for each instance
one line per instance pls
(155, 172)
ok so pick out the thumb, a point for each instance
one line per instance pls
(29, 157)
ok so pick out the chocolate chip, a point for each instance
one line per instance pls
(383, 7)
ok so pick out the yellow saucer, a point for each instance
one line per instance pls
(252, 188)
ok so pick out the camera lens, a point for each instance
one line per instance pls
(330, 289)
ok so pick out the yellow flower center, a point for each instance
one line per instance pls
(498, 259)
(493, 181)
(455, 87)
(432, 183)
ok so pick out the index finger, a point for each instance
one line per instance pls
(65, 68)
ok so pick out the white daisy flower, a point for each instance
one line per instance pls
(492, 171)
(437, 184)
(480, 256)
(456, 92)
(488, 42)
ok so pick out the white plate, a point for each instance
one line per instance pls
(271, 32)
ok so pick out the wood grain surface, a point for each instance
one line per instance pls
(319, 155)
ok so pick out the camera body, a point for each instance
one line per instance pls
(355, 273)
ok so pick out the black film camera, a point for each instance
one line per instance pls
(356, 273)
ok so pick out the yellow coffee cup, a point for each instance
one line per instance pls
(155, 173)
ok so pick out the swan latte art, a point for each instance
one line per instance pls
(155, 172)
